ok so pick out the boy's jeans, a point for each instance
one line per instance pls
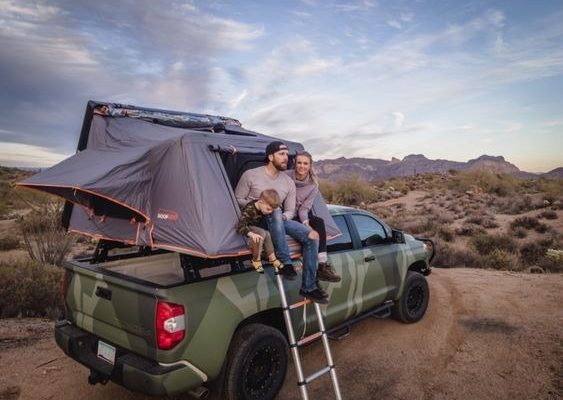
(278, 228)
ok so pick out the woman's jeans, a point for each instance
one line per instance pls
(278, 229)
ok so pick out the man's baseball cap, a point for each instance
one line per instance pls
(275, 147)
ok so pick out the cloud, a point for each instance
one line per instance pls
(354, 6)
(56, 56)
(399, 118)
(301, 14)
(395, 24)
(12, 155)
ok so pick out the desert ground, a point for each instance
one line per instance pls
(493, 331)
(486, 335)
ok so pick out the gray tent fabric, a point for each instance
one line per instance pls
(148, 184)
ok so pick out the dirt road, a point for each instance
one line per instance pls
(487, 335)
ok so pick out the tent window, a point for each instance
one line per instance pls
(236, 164)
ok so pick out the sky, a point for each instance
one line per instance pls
(379, 79)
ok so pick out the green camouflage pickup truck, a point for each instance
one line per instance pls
(162, 322)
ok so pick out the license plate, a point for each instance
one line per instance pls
(106, 352)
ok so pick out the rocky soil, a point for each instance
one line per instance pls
(486, 335)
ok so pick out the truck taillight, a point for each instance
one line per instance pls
(170, 324)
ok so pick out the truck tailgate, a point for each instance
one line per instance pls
(113, 308)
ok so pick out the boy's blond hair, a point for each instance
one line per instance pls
(270, 197)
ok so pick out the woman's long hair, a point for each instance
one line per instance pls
(312, 175)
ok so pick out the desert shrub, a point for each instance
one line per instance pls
(474, 219)
(469, 230)
(417, 227)
(498, 184)
(9, 243)
(349, 192)
(486, 221)
(555, 255)
(399, 185)
(548, 214)
(550, 188)
(445, 233)
(529, 223)
(490, 223)
(525, 222)
(44, 238)
(450, 257)
(552, 261)
(515, 206)
(502, 259)
(12, 198)
(519, 232)
(30, 289)
(531, 253)
(485, 244)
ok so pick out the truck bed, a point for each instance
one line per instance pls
(161, 269)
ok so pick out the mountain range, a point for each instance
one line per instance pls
(375, 169)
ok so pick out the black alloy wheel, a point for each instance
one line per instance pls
(257, 363)
(413, 303)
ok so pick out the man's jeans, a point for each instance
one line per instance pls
(278, 228)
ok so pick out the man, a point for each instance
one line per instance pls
(255, 181)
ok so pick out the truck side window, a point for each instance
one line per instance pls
(371, 232)
(344, 241)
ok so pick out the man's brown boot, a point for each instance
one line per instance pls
(325, 273)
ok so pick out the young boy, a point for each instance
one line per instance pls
(252, 213)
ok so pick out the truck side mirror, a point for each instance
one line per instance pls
(398, 237)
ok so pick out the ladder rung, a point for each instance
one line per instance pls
(317, 374)
(299, 304)
(309, 338)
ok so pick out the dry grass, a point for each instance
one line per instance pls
(44, 238)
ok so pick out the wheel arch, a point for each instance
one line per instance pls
(271, 317)
(421, 267)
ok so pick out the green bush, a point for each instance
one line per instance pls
(30, 289)
(488, 182)
(485, 244)
(350, 192)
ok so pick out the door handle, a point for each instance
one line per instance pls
(369, 258)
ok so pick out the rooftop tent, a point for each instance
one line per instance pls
(160, 179)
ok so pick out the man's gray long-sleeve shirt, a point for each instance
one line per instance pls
(254, 181)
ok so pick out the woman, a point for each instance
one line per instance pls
(307, 185)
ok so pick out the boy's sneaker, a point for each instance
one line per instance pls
(322, 291)
(314, 295)
(288, 272)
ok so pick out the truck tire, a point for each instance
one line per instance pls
(413, 303)
(257, 363)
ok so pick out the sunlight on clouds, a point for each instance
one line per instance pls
(17, 154)
(238, 99)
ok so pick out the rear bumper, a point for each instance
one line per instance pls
(130, 370)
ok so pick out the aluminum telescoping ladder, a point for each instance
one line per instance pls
(295, 344)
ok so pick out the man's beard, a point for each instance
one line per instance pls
(279, 166)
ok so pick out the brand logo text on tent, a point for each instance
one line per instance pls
(167, 215)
